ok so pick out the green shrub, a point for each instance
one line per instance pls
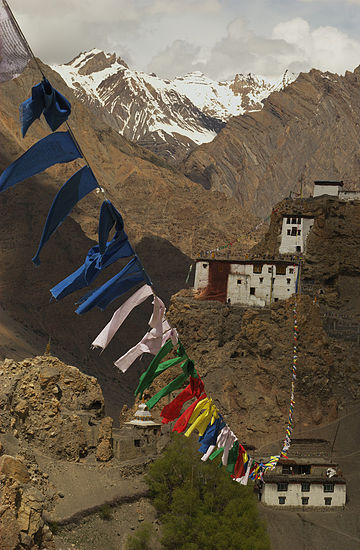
(105, 512)
(141, 539)
(199, 504)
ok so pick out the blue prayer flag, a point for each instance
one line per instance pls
(99, 256)
(52, 149)
(79, 185)
(44, 99)
(101, 297)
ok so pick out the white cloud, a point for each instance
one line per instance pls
(292, 45)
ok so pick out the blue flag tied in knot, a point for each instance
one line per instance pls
(101, 297)
(99, 256)
(52, 149)
(44, 99)
(79, 185)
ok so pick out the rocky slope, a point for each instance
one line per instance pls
(168, 218)
(169, 117)
(52, 464)
(305, 132)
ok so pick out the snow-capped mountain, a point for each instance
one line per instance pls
(170, 117)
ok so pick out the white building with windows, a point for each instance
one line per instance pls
(245, 282)
(294, 233)
(306, 482)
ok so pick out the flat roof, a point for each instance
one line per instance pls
(254, 261)
(327, 182)
(307, 478)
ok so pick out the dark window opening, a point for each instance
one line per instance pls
(305, 487)
(289, 231)
(294, 231)
(137, 442)
(239, 281)
(304, 501)
(205, 266)
(261, 280)
(276, 299)
(299, 231)
(294, 220)
(252, 290)
(328, 501)
(288, 281)
(288, 220)
(301, 469)
(270, 269)
(291, 270)
(282, 486)
(298, 249)
(282, 500)
(257, 268)
(280, 269)
(299, 220)
(328, 487)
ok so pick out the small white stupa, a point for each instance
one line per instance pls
(143, 418)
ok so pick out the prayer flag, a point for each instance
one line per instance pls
(132, 274)
(80, 184)
(44, 99)
(52, 149)
(14, 54)
(96, 261)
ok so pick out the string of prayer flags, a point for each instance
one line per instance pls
(52, 149)
(203, 414)
(14, 52)
(44, 99)
(99, 256)
(107, 334)
(132, 274)
(76, 188)
(182, 422)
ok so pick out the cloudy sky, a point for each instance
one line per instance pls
(218, 37)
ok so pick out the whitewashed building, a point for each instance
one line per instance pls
(327, 188)
(245, 282)
(294, 233)
(305, 482)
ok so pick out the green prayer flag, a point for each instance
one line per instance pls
(216, 453)
(189, 370)
(166, 348)
(233, 454)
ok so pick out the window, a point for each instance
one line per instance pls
(327, 501)
(137, 442)
(288, 281)
(293, 231)
(276, 299)
(282, 486)
(299, 231)
(299, 220)
(261, 280)
(301, 469)
(305, 487)
(298, 249)
(282, 500)
(291, 270)
(239, 281)
(257, 268)
(252, 290)
(304, 501)
(294, 220)
(270, 269)
(288, 220)
(289, 231)
(205, 266)
(328, 487)
(281, 269)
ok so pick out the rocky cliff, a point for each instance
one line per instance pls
(306, 131)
